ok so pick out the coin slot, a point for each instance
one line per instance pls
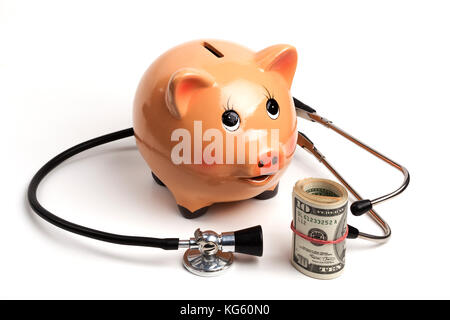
(213, 50)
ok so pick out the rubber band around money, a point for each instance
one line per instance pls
(318, 241)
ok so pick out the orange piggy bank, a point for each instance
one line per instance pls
(216, 122)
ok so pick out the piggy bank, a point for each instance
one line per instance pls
(216, 122)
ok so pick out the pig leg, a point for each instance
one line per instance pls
(192, 215)
(157, 180)
(268, 194)
(190, 207)
(184, 205)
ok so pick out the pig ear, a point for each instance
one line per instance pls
(281, 58)
(182, 85)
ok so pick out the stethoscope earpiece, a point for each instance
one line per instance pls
(358, 208)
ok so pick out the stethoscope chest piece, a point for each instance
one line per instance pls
(210, 254)
(205, 265)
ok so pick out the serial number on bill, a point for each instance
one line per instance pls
(325, 222)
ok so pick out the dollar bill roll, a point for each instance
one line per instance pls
(319, 227)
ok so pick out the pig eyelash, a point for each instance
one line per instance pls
(269, 95)
(228, 106)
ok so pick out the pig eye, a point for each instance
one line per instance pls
(273, 110)
(230, 120)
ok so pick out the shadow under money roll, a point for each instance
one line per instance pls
(319, 227)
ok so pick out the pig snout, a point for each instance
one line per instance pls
(269, 162)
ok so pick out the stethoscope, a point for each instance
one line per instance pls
(209, 253)
(361, 206)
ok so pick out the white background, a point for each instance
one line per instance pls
(69, 70)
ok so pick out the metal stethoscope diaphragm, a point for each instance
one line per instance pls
(210, 253)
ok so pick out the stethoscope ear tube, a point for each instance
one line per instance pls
(361, 206)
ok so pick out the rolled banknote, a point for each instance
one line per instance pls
(319, 227)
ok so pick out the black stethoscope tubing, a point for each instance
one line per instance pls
(165, 243)
(359, 207)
